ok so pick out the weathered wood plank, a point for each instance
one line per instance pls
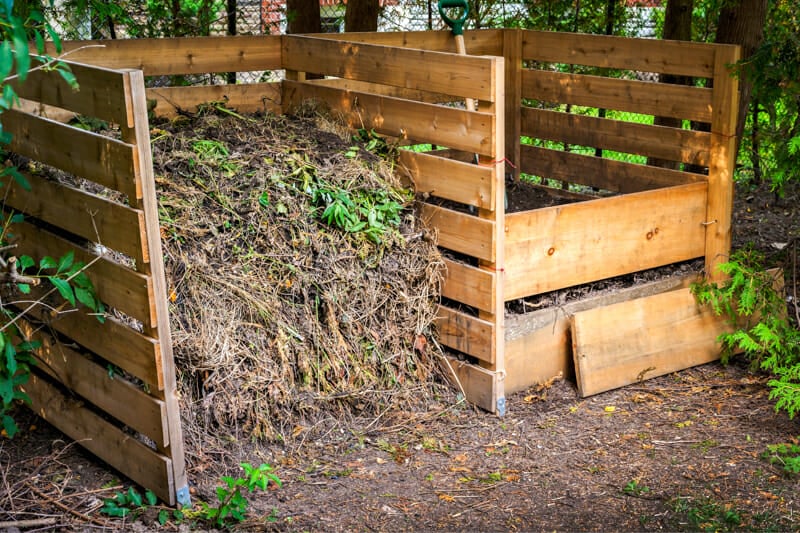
(486, 42)
(624, 343)
(113, 394)
(117, 286)
(512, 52)
(687, 146)
(479, 385)
(461, 232)
(92, 217)
(538, 343)
(438, 72)
(128, 349)
(449, 179)
(723, 160)
(117, 448)
(465, 333)
(648, 98)
(101, 95)
(181, 55)
(602, 238)
(414, 121)
(79, 152)
(647, 55)
(609, 174)
(385, 90)
(470, 285)
(245, 98)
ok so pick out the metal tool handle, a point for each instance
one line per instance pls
(456, 24)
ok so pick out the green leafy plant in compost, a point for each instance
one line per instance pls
(785, 454)
(753, 302)
(232, 502)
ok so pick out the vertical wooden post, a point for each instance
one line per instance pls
(725, 102)
(137, 132)
(497, 215)
(512, 52)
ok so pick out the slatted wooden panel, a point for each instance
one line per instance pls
(130, 420)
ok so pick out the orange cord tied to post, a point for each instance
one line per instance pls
(497, 162)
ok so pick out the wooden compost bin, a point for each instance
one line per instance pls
(411, 87)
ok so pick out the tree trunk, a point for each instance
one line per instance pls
(677, 26)
(302, 16)
(361, 15)
(742, 23)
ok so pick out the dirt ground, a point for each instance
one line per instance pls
(679, 452)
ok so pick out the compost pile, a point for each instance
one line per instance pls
(301, 282)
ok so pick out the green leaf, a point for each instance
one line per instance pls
(6, 390)
(47, 262)
(25, 261)
(10, 353)
(163, 516)
(20, 178)
(64, 289)
(10, 426)
(65, 261)
(69, 77)
(6, 59)
(54, 37)
(151, 498)
(21, 52)
(134, 497)
(24, 288)
(39, 42)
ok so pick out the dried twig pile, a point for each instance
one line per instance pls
(298, 284)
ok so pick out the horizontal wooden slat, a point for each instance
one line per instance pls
(95, 157)
(116, 285)
(113, 394)
(648, 98)
(673, 144)
(461, 232)
(450, 179)
(624, 343)
(608, 174)
(102, 92)
(89, 216)
(568, 245)
(415, 121)
(646, 55)
(181, 55)
(469, 285)
(385, 90)
(117, 343)
(439, 72)
(479, 385)
(117, 448)
(465, 333)
(245, 98)
(477, 42)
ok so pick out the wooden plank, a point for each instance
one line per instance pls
(620, 344)
(117, 343)
(438, 72)
(245, 98)
(111, 393)
(512, 52)
(479, 385)
(562, 246)
(466, 333)
(92, 217)
(486, 42)
(117, 286)
(609, 174)
(539, 345)
(466, 183)
(414, 121)
(101, 95)
(181, 55)
(470, 285)
(140, 135)
(687, 146)
(723, 160)
(117, 448)
(647, 55)
(648, 98)
(461, 232)
(385, 90)
(95, 157)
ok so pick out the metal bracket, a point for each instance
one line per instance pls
(182, 496)
(501, 406)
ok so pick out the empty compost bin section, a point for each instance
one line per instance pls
(540, 96)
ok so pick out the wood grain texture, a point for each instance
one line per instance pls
(462, 232)
(470, 285)
(648, 98)
(646, 55)
(245, 98)
(407, 120)
(479, 385)
(687, 146)
(602, 238)
(465, 333)
(624, 343)
(486, 42)
(449, 179)
(512, 52)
